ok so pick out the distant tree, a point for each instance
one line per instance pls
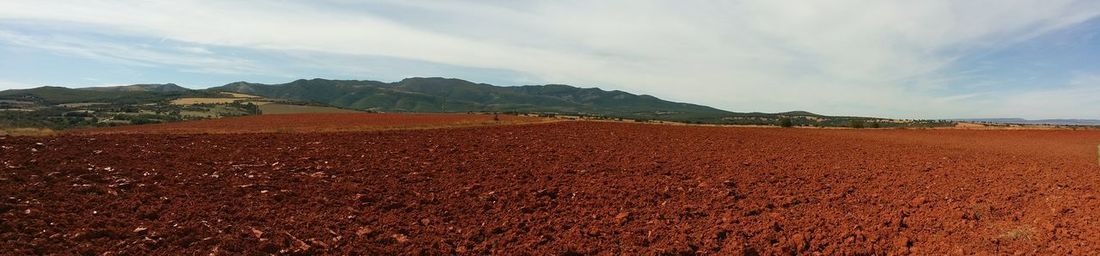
(142, 120)
(854, 123)
(786, 123)
(875, 125)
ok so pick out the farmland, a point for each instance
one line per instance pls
(319, 122)
(197, 101)
(546, 188)
(279, 108)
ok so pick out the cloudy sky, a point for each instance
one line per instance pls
(903, 59)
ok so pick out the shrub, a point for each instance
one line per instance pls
(142, 120)
(785, 122)
(855, 124)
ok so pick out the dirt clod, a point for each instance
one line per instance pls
(400, 238)
(622, 217)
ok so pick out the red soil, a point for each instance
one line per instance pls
(584, 187)
(316, 122)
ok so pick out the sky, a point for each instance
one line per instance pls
(903, 59)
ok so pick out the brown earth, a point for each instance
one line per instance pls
(556, 188)
(316, 122)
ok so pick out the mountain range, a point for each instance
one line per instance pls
(456, 95)
(435, 94)
(128, 94)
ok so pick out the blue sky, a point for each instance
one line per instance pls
(903, 59)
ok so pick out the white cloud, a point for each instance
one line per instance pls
(5, 85)
(1081, 95)
(839, 57)
(196, 59)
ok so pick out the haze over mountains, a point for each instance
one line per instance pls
(1034, 121)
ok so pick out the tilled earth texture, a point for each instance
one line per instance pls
(554, 188)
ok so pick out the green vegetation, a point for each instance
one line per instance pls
(49, 95)
(802, 118)
(855, 123)
(455, 95)
(51, 118)
(785, 123)
(62, 108)
(59, 108)
(59, 117)
(280, 108)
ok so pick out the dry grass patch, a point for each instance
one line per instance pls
(1018, 233)
(276, 108)
(193, 101)
(241, 95)
(26, 132)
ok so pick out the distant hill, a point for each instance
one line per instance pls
(133, 94)
(1035, 121)
(797, 113)
(161, 88)
(59, 108)
(409, 95)
(455, 95)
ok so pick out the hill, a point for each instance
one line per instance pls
(133, 94)
(162, 88)
(455, 95)
(64, 108)
(1021, 121)
(61, 108)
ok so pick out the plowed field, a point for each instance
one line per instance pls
(555, 188)
(317, 122)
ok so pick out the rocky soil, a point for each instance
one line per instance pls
(555, 188)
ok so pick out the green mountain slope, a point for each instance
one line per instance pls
(411, 95)
(455, 95)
